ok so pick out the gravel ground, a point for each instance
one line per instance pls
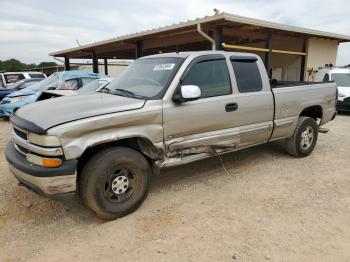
(272, 207)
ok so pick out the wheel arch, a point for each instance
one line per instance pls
(315, 112)
(140, 144)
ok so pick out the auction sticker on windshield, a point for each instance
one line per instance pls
(163, 67)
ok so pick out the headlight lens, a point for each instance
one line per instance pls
(43, 161)
(44, 140)
(17, 99)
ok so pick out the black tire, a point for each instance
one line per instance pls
(298, 144)
(99, 188)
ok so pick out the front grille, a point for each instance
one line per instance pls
(4, 102)
(20, 133)
(21, 149)
(347, 99)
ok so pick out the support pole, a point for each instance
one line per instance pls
(303, 62)
(268, 55)
(218, 39)
(139, 49)
(94, 63)
(66, 63)
(106, 66)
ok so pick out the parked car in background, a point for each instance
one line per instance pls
(66, 80)
(342, 78)
(9, 78)
(164, 110)
(18, 86)
(93, 86)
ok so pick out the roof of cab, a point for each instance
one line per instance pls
(197, 53)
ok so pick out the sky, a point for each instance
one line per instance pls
(29, 30)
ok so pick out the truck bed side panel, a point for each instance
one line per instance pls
(291, 101)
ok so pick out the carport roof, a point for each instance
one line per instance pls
(222, 19)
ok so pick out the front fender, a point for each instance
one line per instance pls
(79, 135)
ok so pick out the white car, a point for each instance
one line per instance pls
(342, 77)
(9, 78)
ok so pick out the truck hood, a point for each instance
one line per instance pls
(52, 112)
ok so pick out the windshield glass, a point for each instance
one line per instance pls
(51, 81)
(92, 86)
(342, 80)
(144, 78)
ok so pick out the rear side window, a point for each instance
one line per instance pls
(247, 76)
(36, 76)
(211, 76)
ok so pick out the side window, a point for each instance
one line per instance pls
(326, 78)
(211, 76)
(13, 78)
(247, 76)
(36, 75)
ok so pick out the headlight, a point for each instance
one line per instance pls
(43, 161)
(44, 140)
(17, 99)
(341, 96)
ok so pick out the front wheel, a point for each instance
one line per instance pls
(304, 139)
(115, 182)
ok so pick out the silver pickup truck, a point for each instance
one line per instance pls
(164, 110)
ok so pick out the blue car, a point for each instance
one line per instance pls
(66, 80)
(18, 86)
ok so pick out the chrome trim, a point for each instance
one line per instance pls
(19, 150)
(55, 185)
(45, 151)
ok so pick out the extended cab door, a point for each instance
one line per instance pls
(254, 98)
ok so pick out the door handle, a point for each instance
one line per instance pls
(231, 107)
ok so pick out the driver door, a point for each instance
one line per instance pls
(209, 121)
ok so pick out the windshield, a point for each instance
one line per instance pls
(145, 78)
(92, 86)
(51, 81)
(342, 80)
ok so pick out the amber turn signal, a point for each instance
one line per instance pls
(54, 162)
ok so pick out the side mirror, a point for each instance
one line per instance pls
(187, 93)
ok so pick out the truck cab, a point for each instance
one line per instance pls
(342, 78)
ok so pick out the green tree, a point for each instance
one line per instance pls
(47, 64)
(16, 65)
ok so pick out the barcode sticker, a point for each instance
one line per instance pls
(163, 67)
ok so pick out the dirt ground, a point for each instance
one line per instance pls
(272, 207)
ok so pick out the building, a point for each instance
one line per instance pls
(289, 52)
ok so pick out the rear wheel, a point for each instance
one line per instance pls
(115, 182)
(304, 139)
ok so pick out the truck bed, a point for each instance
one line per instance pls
(291, 96)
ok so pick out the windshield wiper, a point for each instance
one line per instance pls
(126, 93)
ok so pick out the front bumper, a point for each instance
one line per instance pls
(57, 183)
(343, 106)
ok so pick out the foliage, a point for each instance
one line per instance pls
(16, 65)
